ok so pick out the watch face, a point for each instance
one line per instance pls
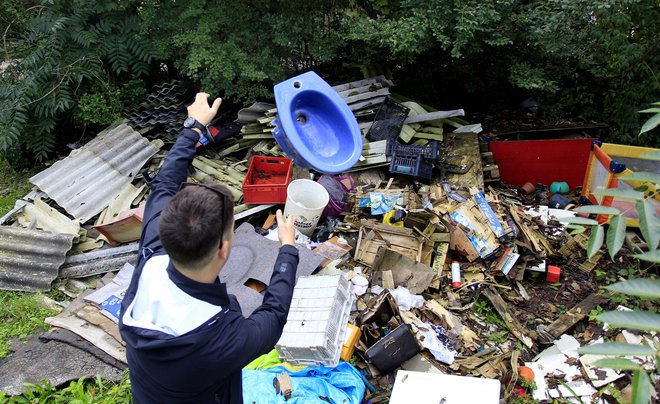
(189, 122)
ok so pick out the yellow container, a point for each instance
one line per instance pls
(353, 334)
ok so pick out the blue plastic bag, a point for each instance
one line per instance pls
(341, 384)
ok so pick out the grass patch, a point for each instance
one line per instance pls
(21, 314)
(78, 391)
(488, 313)
(13, 185)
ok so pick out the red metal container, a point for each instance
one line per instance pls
(266, 180)
(542, 161)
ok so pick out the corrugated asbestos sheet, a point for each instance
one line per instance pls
(30, 259)
(85, 182)
(98, 261)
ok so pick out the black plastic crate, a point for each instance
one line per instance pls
(415, 166)
(431, 151)
(388, 121)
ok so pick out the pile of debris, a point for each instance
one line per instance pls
(451, 273)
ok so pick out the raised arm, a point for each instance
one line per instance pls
(174, 170)
(263, 328)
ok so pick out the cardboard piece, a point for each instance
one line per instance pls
(109, 297)
(506, 261)
(333, 249)
(422, 388)
(471, 234)
(400, 239)
(414, 276)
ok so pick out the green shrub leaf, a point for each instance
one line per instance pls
(616, 233)
(620, 193)
(634, 320)
(595, 240)
(577, 220)
(576, 229)
(651, 256)
(649, 223)
(650, 124)
(616, 363)
(617, 349)
(641, 387)
(598, 210)
(644, 288)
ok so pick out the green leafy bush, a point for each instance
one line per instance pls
(634, 320)
(67, 49)
(594, 59)
(238, 49)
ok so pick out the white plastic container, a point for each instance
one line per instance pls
(316, 325)
(305, 199)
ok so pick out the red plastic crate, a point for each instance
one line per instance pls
(266, 180)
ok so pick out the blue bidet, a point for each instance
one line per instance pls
(314, 126)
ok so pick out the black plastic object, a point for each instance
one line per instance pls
(388, 121)
(415, 166)
(431, 151)
(393, 349)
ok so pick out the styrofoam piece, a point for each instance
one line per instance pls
(317, 321)
(422, 388)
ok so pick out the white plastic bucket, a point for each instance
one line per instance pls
(305, 199)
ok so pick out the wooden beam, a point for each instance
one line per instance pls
(572, 317)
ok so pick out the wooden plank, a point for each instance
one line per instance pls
(511, 322)
(359, 90)
(366, 96)
(429, 136)
(571, 317)
(360, 83)
(432, 116)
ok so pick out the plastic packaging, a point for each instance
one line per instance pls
(406, 300)
(337, 189)
(305, 199)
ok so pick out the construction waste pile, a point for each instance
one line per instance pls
(423, 277)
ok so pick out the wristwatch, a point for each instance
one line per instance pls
(191, 122)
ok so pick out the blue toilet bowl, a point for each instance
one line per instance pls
(314, 126)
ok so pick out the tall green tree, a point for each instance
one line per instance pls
(69, 49)
(240, 48)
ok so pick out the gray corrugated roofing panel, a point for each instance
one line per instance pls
(30, 259)
(98, 261)
(85, 182)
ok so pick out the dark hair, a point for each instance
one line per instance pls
(194, 221)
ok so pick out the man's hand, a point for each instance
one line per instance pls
(285, 230)
(200, 109)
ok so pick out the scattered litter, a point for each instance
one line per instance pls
(413, 254)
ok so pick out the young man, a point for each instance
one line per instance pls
(186, 339)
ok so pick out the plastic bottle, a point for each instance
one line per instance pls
(455, 274)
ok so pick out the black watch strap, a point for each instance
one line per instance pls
(193, 123)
